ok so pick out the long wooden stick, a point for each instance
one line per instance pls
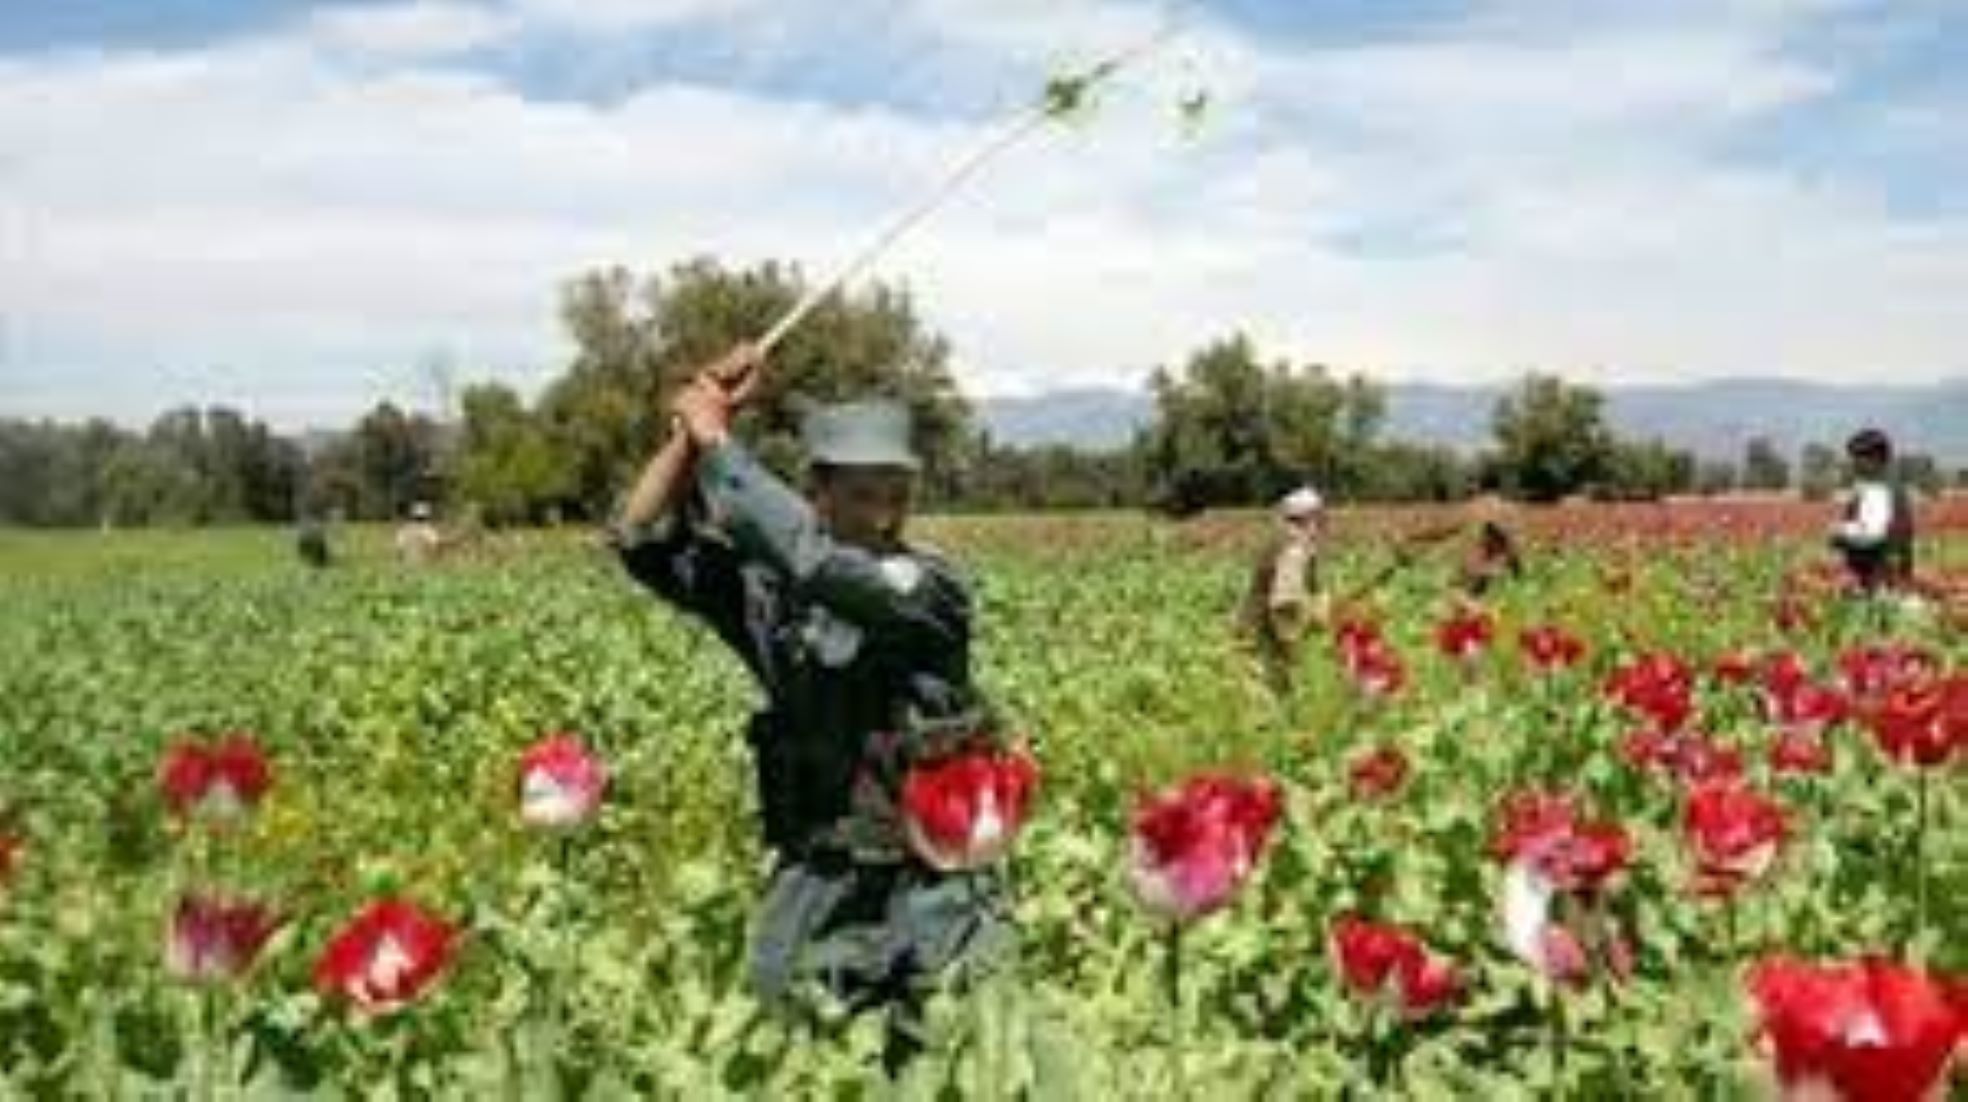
(1020, 128)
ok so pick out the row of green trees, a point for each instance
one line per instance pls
(1228, 428)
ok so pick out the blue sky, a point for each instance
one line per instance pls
(296, 208)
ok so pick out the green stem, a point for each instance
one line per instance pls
(1919, 853)
(1172, 968)
(1172, 990)
(1380, 1064)
(565, 964)
(211, 1046)
(400, 1058)
(1560, 1038)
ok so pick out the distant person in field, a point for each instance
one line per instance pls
(861, 644)
(1493, 557)
(1282, 603)
(418, 540)
(1874, 533)
(311, 542)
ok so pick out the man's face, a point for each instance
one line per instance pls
(1306, 526)
(864, 506)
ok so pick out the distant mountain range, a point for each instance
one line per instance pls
(1712, 419)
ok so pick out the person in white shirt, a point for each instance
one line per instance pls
(1283, 603)
(1874, 532)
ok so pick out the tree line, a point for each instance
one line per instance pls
(1228, 428)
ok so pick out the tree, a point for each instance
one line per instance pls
(1763, 467)
(1648, 470)
(1715, 476)
(507, 463)
(1818, 471)
(1231, 431)
(1552, 438)
(1919, 471)
(1048, 477)
(1398, 471)
(378, 470)
(637, 341)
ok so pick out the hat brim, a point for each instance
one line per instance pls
(866, 457)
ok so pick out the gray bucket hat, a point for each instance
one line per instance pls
(860, 434)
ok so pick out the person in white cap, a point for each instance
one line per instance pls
(417, 539)
(1283, 602)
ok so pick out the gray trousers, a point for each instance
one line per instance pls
(873, 935)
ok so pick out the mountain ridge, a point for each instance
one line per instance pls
(1714, 419)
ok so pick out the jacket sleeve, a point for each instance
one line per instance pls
(691, 569)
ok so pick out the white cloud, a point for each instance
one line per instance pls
(342, 198)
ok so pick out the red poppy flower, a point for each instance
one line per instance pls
(1464, 635)
(1867, 1031)
(212, 939)
(1807, 706)
(1735, 834)
(1546, 832)
(560, 783)
(1386, 961)
(1372, 664)
(1783, 672)
(1925, 724)
(1699, 758)
(1659, 687)
(1688, 757)
(1378, 774)
(963, 812)
(1872, 672)
(1193, 847)
(1800, 751)
(222, 780)
(1549, 648)
(387, 955)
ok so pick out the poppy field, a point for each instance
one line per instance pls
(1670, 816)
